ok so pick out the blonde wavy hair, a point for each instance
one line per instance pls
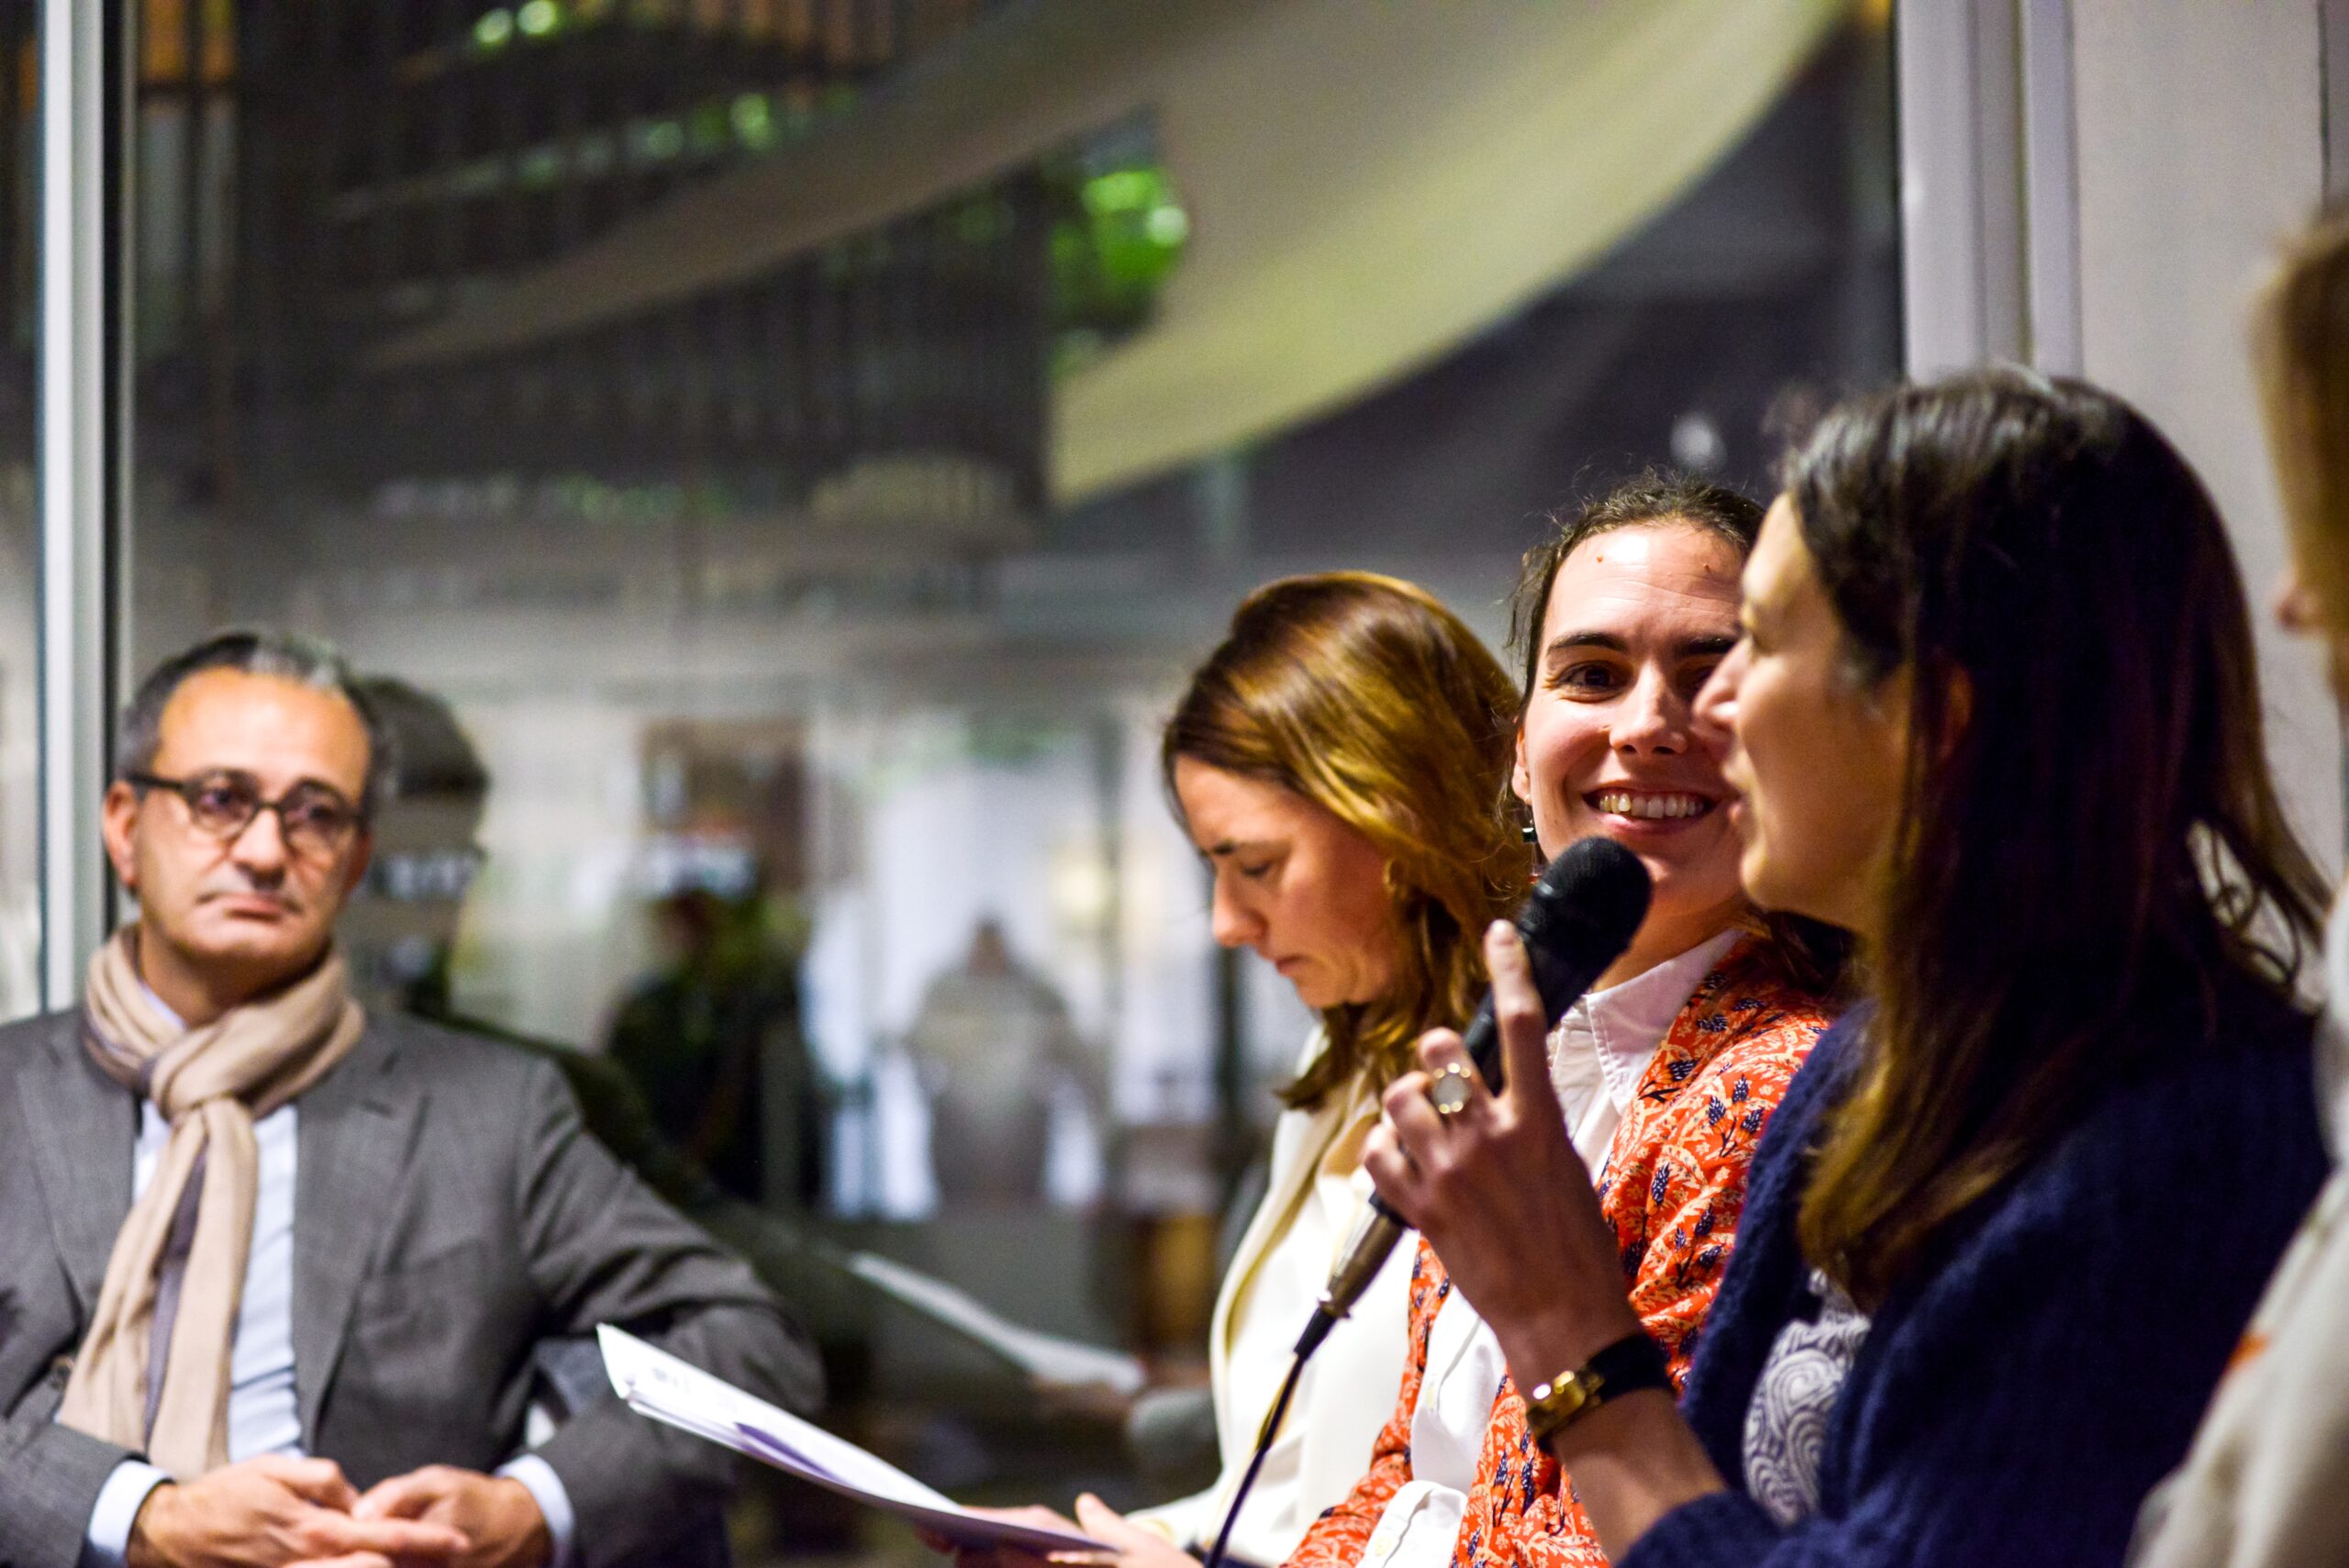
(1367, 696)
(2300, 346)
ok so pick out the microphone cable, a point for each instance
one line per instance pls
(1256, 1461)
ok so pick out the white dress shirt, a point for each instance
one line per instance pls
(1598, 1053)
(265, 1415)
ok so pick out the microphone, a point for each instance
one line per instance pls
(1578, 919)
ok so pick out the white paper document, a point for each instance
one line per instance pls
(656, 1383)
(1047, 1358)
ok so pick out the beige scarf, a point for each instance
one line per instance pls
(152, 1374)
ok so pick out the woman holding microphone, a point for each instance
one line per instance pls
(1994, 712)
(1666, 1073)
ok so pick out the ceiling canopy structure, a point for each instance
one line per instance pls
(1368, 188)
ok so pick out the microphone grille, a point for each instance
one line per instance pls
(1599, 884)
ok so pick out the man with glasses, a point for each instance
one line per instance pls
(272, 1268)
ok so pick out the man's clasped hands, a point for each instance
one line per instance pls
(274, 1511)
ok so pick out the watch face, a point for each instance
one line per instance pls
(1625, 1367)
(1556, 1403)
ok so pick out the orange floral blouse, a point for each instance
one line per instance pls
(1672, 1186)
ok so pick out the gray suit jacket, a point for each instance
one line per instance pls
(450, 1214)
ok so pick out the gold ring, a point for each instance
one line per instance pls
(1449, 1094)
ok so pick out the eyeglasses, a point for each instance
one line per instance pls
(315, 818)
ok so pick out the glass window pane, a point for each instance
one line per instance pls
(778, 640)
(21, 231)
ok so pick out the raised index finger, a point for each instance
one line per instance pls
(1517, 1009)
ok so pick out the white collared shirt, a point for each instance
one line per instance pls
(1601, 1048)
(1599, 1052)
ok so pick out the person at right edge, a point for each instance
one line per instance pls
(1995, 712)
(2267, 1482)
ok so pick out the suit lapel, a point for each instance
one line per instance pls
(81, 1126)
(354, 1128)
(1291, 1183)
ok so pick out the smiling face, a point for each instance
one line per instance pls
(1637, 618)
(224, 919)
(1816, 760)
(1294, 883)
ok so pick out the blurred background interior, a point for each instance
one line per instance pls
(782, 455)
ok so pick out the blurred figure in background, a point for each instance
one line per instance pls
(714, 1046)
(996, 1051)
(401, 928)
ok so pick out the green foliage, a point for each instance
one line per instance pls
(1118, 235)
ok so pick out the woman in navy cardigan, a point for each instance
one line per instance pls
(1995, 712)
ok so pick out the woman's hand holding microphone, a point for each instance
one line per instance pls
(1493, 1184)
(1498, 1190)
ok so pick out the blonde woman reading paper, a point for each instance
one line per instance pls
(1339, 761)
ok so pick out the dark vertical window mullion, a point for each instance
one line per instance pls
(571, 68)
(15, 231)
(120, 121)
(383, 106)
(449, 150)
(512, 242)
(194, 107)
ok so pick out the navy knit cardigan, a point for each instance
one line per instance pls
(2017, 1397)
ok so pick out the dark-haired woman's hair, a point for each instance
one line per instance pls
(1367, 696)
(2088, 830)
(1807, 955)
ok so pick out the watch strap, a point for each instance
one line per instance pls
(1631, 1363)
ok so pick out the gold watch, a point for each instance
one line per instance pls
(1630, 1364)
